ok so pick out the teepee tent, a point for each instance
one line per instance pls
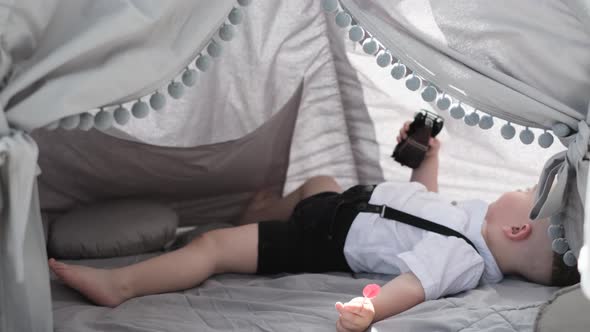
(82, 83)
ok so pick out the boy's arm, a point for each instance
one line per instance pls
(427, 172)
(398, 295)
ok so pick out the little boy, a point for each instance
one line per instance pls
(323, 230)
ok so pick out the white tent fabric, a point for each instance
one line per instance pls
(66, 57)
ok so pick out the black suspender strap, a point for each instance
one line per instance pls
(390, 213)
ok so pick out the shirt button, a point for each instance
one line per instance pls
(454, 203)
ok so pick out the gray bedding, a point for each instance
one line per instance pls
(303, 302)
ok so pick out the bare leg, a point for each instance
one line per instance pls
(224, 250)
(266, 206)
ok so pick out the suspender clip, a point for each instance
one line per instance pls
(382, 212)
(366, 207)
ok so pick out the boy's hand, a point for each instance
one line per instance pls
(355, 315)
(433, 143)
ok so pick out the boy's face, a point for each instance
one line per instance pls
(508, 228)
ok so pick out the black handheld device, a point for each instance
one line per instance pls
(412, 150)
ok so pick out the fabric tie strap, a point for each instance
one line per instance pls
(4, 129)
(549, 199)
(18, 161)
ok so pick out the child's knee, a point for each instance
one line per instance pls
(321, 183)
(322, 180)
(206, 241)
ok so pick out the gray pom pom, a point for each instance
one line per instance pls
(457, 111)
(214, 49)
(226, 33)
(561, 130)
(570, 259)
(370, 46)
(559, 246)
(486, 122)
(472, 119)
(527, 136)
(70, 122)
(176, 90)
(86, 121)
(508, 131)
(103, 120)
(413, 83)
(356, 33)
(330, 5)
(343, 19)
(203, 62)
(545, 140)
(189, 77)
(52, 126)
(157, 101)
(140, 109)
(555, 231)
(443, 103)
(429, 94)
(235, 16)
(121, 115)
(384, 59)
(398, 71)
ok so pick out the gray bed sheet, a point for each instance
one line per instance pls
(291, 302)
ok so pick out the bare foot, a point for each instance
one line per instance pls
(261, 200)
(99, 286)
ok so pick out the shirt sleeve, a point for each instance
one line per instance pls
(444, 265)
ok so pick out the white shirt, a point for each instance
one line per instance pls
(444, 264)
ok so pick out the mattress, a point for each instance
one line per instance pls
(291, 302)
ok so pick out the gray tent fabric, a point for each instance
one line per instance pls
(25, 304)
(462, 48)
(64, 57)
(191, 180)
(76, 54)
(53, 56)
(19, 154)
(550, 198)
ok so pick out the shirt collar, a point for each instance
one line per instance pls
(477, 211)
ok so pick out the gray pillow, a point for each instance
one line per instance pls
(566, 311)
(110, 229)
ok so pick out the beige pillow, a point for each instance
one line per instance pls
(110, 229)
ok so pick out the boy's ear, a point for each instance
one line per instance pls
(517, 233)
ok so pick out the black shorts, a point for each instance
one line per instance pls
(312, 240)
